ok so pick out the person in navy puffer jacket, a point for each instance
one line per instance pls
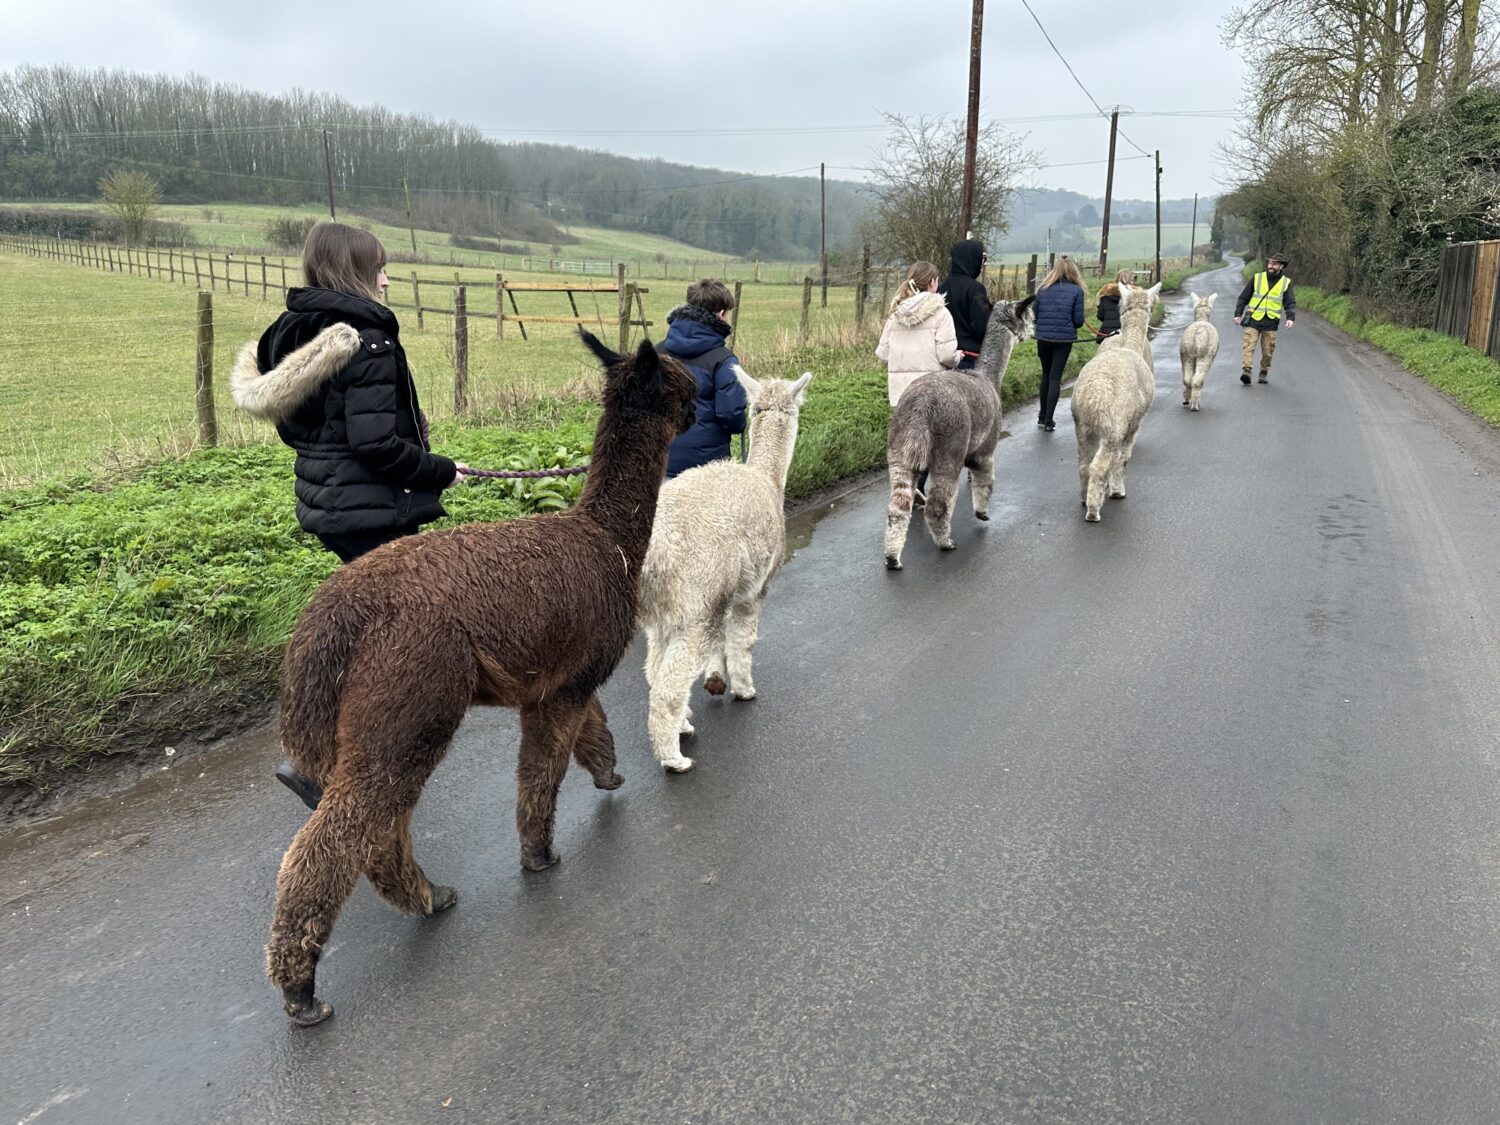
(1059, 316)
(695, 334)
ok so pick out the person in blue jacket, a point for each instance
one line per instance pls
(1059, 316)
(696, 332)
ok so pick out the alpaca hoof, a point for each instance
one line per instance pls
(305, 1009)
(308, 791)
(687, 730)
(947, 545)
(680, 764)
(982, 516)
(443, 898)
(1091, 517)
(892, 562)
(613, 781)
(1117, 496)
(744, 695)
(715, 684)
(539, 858)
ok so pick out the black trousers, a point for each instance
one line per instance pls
(350, 546)
(1054, 357)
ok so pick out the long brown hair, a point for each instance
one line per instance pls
(918, 278)
(343, 258)
(1064, 269)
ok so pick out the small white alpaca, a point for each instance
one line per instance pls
(1200, 344)
(719, 535)
(1113, 392)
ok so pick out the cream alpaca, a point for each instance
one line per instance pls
(1200, 344)
(719, 535)
(945, 422)
(1113, 392)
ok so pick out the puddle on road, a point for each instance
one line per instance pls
(801, 527)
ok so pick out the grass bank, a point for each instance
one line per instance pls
(141, 606)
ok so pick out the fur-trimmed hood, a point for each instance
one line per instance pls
(276, 394)
(1110, 290)
(915, 309)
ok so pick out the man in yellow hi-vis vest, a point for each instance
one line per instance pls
(1264, 302)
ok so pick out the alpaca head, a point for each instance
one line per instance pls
(646, 381)
(1016, 317)
(774, 406)
(1135, 299)
(1203, 306)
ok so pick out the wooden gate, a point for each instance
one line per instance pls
(1468, 301)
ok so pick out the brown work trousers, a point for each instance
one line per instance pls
(1267, 349)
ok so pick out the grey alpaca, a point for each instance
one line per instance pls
(1113, 392)
(1200, 344)
(948, 421)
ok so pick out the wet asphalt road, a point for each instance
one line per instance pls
(1184, 816)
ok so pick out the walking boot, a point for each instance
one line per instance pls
(1245, 376)
(1265, 377)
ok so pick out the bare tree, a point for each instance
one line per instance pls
(134, 198)
(918, 178)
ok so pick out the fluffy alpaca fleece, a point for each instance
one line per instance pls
(1111, 342)
(719, 535)
(1200, 344)
(394, 648)
(1113, 392)
(948, 421)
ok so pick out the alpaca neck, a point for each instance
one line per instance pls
(1133, 326)
(994, 355)
(1202, 312)
(772, 438)
(625, 473)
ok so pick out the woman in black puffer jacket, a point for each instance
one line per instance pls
(331, 374)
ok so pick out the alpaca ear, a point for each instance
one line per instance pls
(597, 346)
(752, 388)
(1024, 306)
(646, 364)
(799, 388)
(1211, 298)
(1154, 292)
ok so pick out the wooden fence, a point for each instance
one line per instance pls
(1468, 300)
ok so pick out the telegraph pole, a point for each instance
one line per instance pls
(1158, 216)
(1193, 240)
(328, 167)
(971, 137)
(412, 229)
(1109, 192)
(823, 228)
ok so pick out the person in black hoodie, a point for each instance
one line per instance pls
(332, 375)
(967, 299)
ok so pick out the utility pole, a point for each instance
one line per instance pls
(328, 167)
(1109, 192)
(971, 137)
(409, 225)
(823, 228)
(1193, 239)
(1157, 276)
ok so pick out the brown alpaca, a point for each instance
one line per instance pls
(395, 647)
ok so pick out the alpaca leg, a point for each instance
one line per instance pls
(743, 627)
(681, 660)
(595, 748)
(942, 488)
(317, 875)
(1100, 468)
(982, 485)
(656, 645)
(549, 731)
(1088, 446)
(898, 514)
(394, 873)
(716, 673)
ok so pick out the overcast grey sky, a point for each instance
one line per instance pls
(605, 73)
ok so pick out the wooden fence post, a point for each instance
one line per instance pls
(197, 274)
(460, 351)
(263, 286)
(499, 307)
(734, 316)
(211, 278)
(416, 297)
(172, 266)
(208, 423)
(807, 283)
(885, 291)
(627, 299)
(862, 290)
(1031, 275)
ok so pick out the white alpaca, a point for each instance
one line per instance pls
(719, 535)
(1200, 344)
(1113, 392)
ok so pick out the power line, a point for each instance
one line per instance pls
(1076, 79)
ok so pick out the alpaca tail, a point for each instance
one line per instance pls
(311, 676)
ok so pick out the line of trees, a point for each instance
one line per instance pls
(1374, 139)
(63, 130)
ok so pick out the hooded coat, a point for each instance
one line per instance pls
(331, 374)
(1109, 309)
(696, 337)
(968, 302)
(918, 339)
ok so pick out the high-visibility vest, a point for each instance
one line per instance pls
(1267, 299)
